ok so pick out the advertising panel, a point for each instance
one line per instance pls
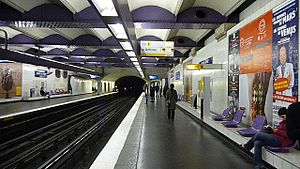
(256, 45)
(11, 80)
(256, 65)
(285, 56)
(187, 81)
(233, 71)
(177, 75)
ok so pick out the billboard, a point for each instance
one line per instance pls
(285, 56)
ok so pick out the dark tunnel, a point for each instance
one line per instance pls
(130, 85)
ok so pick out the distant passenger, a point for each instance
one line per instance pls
(152, 92)
(275, 138)
(157, 90)
(171, 98)
(43, 93)
(166, 88)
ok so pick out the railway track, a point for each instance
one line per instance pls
(47, 140)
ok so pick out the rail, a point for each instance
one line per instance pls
(39, 140)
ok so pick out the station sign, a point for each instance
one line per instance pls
(157, 48)
(40, 73)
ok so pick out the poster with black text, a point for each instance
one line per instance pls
(285, 56)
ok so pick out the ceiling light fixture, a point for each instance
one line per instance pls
(130, 53)
(105, 7)
(133, 59)
(118, 30)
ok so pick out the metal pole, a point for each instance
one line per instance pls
(6, 38)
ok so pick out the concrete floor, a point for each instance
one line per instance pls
(179, 144)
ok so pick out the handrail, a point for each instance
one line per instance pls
(6, 38)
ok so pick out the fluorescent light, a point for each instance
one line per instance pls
(130, 53)
(133, 59)
(105, 7)
(126, 45)
(118, 30)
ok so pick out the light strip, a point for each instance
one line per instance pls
(105, 7)
(133, 59)
(118, 30)
(126, 45)
(130, 53)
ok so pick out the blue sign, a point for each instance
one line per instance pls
(177, 75)
(40, 73)
(153, 77)
(207, 61)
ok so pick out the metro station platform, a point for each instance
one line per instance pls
(147, 139)
(21, 106)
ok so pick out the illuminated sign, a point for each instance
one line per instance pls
(153, 77)
(40, 73)
(157, 48)
(194, 66)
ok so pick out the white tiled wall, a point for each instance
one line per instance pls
(29, 81)
(219, 52)
(105, 87)
(81, 86)
(218, 78)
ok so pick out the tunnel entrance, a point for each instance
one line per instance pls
(130, 85)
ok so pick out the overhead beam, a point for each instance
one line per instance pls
(34, 60)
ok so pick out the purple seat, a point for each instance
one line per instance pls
(236, 120)
(256, 127)
(222, 116)
(282, 149)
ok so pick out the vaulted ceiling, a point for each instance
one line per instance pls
(76, 32)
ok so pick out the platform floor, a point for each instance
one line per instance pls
(14, 107)
(179, 144)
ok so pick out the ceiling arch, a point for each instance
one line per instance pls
(170, 5)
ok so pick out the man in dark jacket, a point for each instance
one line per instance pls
(171, 98)
(293, 121)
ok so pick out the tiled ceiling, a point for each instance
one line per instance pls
(86, 34)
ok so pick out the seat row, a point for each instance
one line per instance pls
(257, 126)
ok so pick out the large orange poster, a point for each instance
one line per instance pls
(256, 45)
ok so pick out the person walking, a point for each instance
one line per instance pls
(171, 98)
(152, 92)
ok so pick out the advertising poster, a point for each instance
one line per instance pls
(187, 81)
(233, 71)
(256, 66)
(285, 56)
(11, 80)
